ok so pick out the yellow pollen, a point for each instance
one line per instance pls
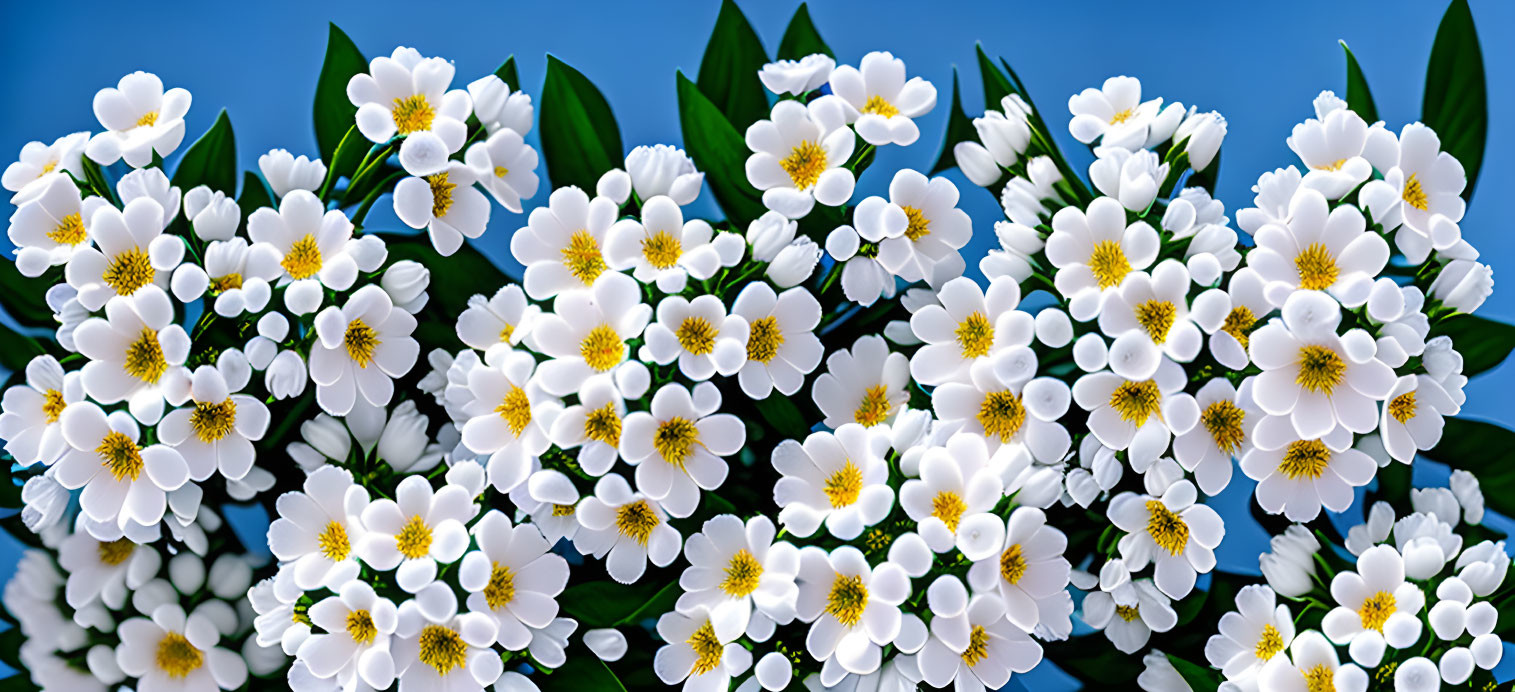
(128, 272)
(69, 231)
(148, 119)
(1122, 116)
(300, 613)
(1224, 420)
(501, 171)
(1269, 644)
(675, 440)
(361, 341)
(844, 485)
(602, 348)
(1128, 613)
(764, 340)
(804, 164)
(1136, 401)
(1320, 369)
(978, 646)
(848, 599)
(414, 539)
(1375, 611)
(1239, 324)
(636, 520)
(361, 628)
(1167, 529)
(949, 507)
(177, 657)
(333, 542)
(582, 257)
(603, 425)
(144, 357)
(1415, 194)
(120, 454)
(501, 588)
(918, 226)
(662, 250)
(516, 410)
(226, 283)
(563, 510)
(49, 167)
(975, 336)
(878, 105)
(1305, 459)
(707, 649)
(53, 405)
(442, 648)
(1012, 564)
(115, 552)
(1319, 678)
(742, 575)
(1109, 264)
(303, 259)
(412, 114)
(1002, 414)
(507, 331)
(1402, 407)
(1333, 166)
(874, 408)
(1156, 316)
(213, 421)
(441, 193)
(696, 335)
(1316, 267)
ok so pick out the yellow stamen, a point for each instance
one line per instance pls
(1305, 459)
(1320, 678)
(442, 648)
(333, 542)
(69, 231)
(53, 405)
(144, 357)
(1224, 420)
(1156, 317)
(636, 520)
(602, 348)
(1167, 529)
(1402, 408)
(878, 105)
(516, 410)
(697, 336)
(978, 646)
(412, 114)
(848, 599)
(975, 336)
(414, 539)
(948, 507)
(1239, 324)
(742, 575)
(213, 421)
(764, 340)
(501, 171)
(121, 455)
(874, 408)
(128, 272)
(361, 341)
(707, 649)
(1002, 414)
(148, 119)
(1128, 613)
(501, 589)
(1122, 116)
(675, 440)
(844, 485)
(1137, 401)
(303, 259)
(662, 250)
(177, 657)
(603, 424)
(441, 193)
(1375, 611)
(1415, 194)
(804, 164)
(582, 257)
(1012, 564)
(918, 225)
(226, 283)
(1317, 268)
(361, 628)
(1320, 369)
(1269, 643)
(115, 552)
(1109, 264)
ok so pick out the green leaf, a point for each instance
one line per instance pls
(720, 151)
(959, 129)
(996, 84)
(784, 416)
(211, 160)
(585, 672)
(1456, 102)
(1359, 98)
(1200, 678)
(801, 38)
(580, 139)
(729, 71)
(1487, 451)
(507, 73)
(23, 298)
(334, 113)
(19, 350)
(454, 279)
(345, 161)
(255, 194)
(1483, 343)
(1095, 661)
(608, 604)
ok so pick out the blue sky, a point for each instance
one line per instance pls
(1259, 64)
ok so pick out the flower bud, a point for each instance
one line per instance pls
(286, 375)
(405, 281)
(795, 263)
(664, 170)
(614, 185)
(769, 234)
(608, 643)
(404, 438)
(286, 173)
(44, 501)
(1205, 132)
(1463, 285)
(977, 163)
(213, 215)
(797, 76)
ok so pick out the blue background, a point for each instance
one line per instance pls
(1259, 64)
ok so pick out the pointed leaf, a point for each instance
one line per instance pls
(996, 85)
(1359, 98)
(255, 193)
(1483, 343)
(1485, 449)
(507, 73)
(802, 38)
(1456, 102)
(1200, 678)
(959, 129)
(334, 113)
(729, 71)
(211, 160)
(23, 298)
(719, 150)
(580, 140)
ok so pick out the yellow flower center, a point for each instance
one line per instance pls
(874, 408)
(582, 257)
(144, 357)
(1316, 267)
(441, 194)
(148, 119)
(1224, 420)
(120, 454)
(878, 105)
(129, 271)
(1239, 324)
(602, 348)
(1128, 613)
(1156, 316)
(1376, 609)
(501, 588)
(516, 410)
(563, 510)
(675, 440)
(1333, 166)
(412, 114)
(1270, 643)
(1320, 369)
(303, 259)
(1002, 414)
(213, 421)
(501, 171)
(1167, 529)
(1402, 407)
(361, 628)
(360, 341)
(69, 231)
(53, 405)
(978, 646)
(442, 648)
(1305, 459)
(949, 507)
(1109, 264)
(975, 335)
(333, 541)
(764, 340)
(707, 649)
(697, 335)
(804, 164)
(1122, 116)
(1415, 194)
(1136, 401)
(603, 424)
(844, 485)
(177, 657)
(918, 225)
(225, 283)
(1012, 564)
(414, 539)
(636, 520)
(662, 250)
(848, 599)
(742, 574)
(1319, 678)
(115, 552)
(48, 167)
(507, 330)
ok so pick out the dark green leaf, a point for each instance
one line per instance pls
(1095, 661)
(1200, 678)
(719, 150)
(211, 160)
(1483, 343)
(585, 672)
(1485, 449)
(10, 649)
(608, 604)
(959, 129)
(580, 139)
(729, 71)
(255, 194)
(802, 38)
(23, 298)
(1359, 98)
(996, 84)
(19, 350)
(334, 113)
(784, 416)
(508, 74)
(348, 156)
(1456, 102)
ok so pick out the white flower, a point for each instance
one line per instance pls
(663, 170)
(1290, 566)
(1313, 658)
(1376, 530)
(1421, 188)
(140, 119)
(734, 568)
(880, 102)
(1412, 418)
(976, 646)
(699, 335)
(136, 354)
(1173, 524)
(840, 479)
(1298, 476)
(354, 647)
(406, 282)
(504, 318)
(1159, 675)
(43, 502)
(562, 243)
(1205, 132)
(1094, 251)
(416, 530)
(367, 331)
(628, 527)
(1023, 199)
(854, 608)
(1005, 134)
(1252, 635)
(497, 107)
(1463, 285)
(1404, 325)
(866, 384)
(50, 225)
(1148, 316)
(513, 578)
(1098, 471)
(508, 416)
(1226, 419)
(104, 570)
(314, 249)
(1469, 496)
(506, 166)
(1130, 614)
(678, 445)
(446, 204)
(970, 325)
(1133, 178)
(286, 173)
(864, 279)
(696, 654)
(286, 375)
(1015, 415)
(218, 431)
(29, 412)
(1229, 315)
(594, 425)
(664, 249)
(953, 500)
(1017, 244)
(1319, 249)
(797, 77)
(133, 252)
(918, 231)
(769, 234)
(1028, 571)
(794, 263)
(438, 649)
(317, 530)
(1116, 115)
(1139, 416)
(405, 94)
(173, 652)
(1375, 606)
(782, 347)
(39, 165)
(213, 214)
(1212, 250)
(799, 155)
(1331, 145)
